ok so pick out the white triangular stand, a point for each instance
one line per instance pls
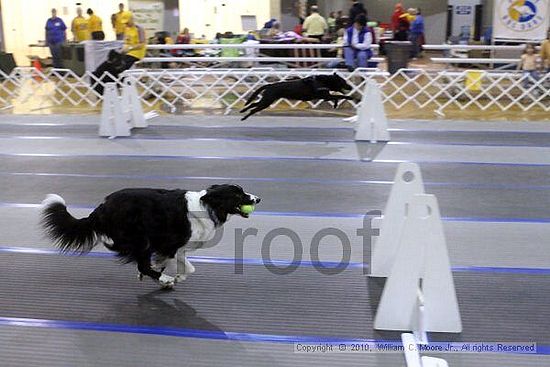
(131, 105)
(420, 276)
(412, 355)
(113, 122)
(372, 124)
(407, 182)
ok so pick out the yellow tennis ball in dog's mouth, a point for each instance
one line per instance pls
(247, 209)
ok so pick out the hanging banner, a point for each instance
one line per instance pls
(521, 19)
(149, 14)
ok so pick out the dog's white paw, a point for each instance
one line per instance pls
(188, 268)
(181, 278)
(140, 276)
(166, 281)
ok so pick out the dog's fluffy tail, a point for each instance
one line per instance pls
(68, 233)
(254, 95)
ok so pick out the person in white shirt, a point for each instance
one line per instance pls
(357, 44)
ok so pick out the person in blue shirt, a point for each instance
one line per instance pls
(55, 37)
(357, 44)
(416, 33)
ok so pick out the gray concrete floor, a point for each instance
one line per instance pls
(491, 179)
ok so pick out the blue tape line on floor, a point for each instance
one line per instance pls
(206, 334)
(325, 215)
(283, 263)
(320, 181)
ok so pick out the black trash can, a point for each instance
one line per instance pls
(7, 62)
(72, 55)
(398, 53)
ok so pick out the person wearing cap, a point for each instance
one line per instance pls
(357, 44)
(79, 27)
(315, 26)
(95, 26)
(121, 19)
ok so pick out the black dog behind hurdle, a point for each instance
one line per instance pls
(306, 89)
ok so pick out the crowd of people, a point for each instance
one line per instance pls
(91, 28)
(352, 30)
(355, 31)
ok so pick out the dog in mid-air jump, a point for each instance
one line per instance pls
(305, 89)
(151, 227)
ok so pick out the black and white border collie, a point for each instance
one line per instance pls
(145, 224)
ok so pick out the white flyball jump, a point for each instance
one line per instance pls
(122, 113)
(419, 294)
(371, 120)
(113, 121)
(407, 182)
(412, 355)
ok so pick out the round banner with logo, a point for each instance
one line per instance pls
(521, 19)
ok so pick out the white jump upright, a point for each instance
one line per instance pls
(412, 355)
(122, 113)
(113, 120)
(371, 123)
(419, 294)
(131, 104)
(407, 182)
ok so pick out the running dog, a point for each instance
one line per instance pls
(141, 224)
(306, 89)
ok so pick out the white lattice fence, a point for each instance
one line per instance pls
(229, 88)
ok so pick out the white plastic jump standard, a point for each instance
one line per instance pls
(113, 120)
(131, 105)
(407, 182)
(372, 123)
(420, 276)
(412, 355)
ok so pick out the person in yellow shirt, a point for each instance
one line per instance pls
(95, 26)
(79, 27)
(315, 26)
(135, 44)
(545, 52)
(121, 20)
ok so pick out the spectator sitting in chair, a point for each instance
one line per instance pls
(357, 44)
(184, 38)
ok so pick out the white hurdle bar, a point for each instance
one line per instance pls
(278, 46)
(475, 47)
(460, 60)
(247, 59)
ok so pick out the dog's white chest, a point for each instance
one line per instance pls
(203, 227)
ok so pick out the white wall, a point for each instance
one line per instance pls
(211, 16)
(24, 22)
